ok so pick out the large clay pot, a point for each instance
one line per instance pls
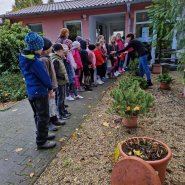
(158, 165)
(156, 68)
(130, 122)
(165, 86)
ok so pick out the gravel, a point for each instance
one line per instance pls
(88, 156)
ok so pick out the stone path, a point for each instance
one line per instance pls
(17, 133)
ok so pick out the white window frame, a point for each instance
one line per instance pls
(74, 21)
(135, 23)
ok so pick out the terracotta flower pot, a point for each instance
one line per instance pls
(165, 86)
(158, 165)
(156, 68)
(130, 122)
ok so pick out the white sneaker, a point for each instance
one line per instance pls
(123, 69)
(78, 97)
(99, 82)
(69, 98)
(116, 74)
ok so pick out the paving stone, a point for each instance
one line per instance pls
(18, 131)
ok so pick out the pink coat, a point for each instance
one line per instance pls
(120, 44)
(77, 58)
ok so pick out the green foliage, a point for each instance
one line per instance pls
(165, 78)
(130, 100)
(127, 82)
(20, 4)
(163, 24)
(12, 87)
(51, 1)
(134, 67)
(11, 39)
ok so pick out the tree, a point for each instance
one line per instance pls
(19, 4)
(51, 1)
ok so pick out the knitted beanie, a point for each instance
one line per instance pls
(34, 41)
(75, 45)
(79, 38)
(47, 44)
(68, 42)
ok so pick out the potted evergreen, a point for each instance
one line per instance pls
(165, 80)
(129, 101)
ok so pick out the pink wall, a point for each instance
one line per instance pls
(52, 23)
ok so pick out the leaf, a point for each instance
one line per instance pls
(62, 139)
(137, 152)
(31, 175)
(105, 124)
(6, 159)
(14, 110)
(18, 150)
(117, 153)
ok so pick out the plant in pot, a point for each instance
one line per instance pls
(130, 101)
(165, 80)
(151, 151)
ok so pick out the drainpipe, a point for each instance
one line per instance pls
(128, 4)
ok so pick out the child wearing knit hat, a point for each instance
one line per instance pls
(38, 85)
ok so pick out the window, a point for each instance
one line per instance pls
(35, 27)
(143, 30)
(75, 29)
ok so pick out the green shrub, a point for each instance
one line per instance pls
(165, 78)
(12, 87)
(134, 67)
(130, 100)
(11, 41)
(127, 82)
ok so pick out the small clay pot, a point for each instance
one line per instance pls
(130, 122)
(156, 68)
(158, 165)
(165, 86)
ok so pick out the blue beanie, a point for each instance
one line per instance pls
(34, 41)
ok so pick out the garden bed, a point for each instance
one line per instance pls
(88, 157)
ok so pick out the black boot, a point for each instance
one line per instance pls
(55, 121)
(47, 145)
(149, 83)
(51, 136)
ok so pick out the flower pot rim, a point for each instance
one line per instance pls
(167, 158)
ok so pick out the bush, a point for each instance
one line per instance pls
(11, 41)
(165, 78)
(134, 67)
(12, 87)
(130, 100)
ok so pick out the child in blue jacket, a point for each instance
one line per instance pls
(38, 86)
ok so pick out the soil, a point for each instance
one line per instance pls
(88, 157)
(144, 149)
(7, 105)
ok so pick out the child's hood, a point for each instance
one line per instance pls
(26, 59)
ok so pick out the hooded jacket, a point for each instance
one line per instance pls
(61, 73)
(37, 80)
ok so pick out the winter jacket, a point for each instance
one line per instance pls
(99, 57)
(92, 58)
(71, 60)
(77, 58)
(85, 61)
(70, 71)
(50, 69)
(37, 79)
(61, 73)
(137, 46)
(112, 47)
(120, 44)
(61, 40)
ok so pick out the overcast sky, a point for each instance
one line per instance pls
(6, 5)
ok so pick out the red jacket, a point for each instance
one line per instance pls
(77, 58)
(99, 57)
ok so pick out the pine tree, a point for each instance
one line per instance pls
(19, 4)
(51, 1)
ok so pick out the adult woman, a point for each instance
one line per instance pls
(64, 34)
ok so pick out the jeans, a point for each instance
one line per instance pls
(40, 108)
(61, 91)
(143, 67)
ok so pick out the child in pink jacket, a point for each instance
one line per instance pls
(78, 61)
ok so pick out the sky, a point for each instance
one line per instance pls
(6, 5)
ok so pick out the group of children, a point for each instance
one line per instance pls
(58, 72)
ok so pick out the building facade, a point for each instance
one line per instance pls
(87, 18)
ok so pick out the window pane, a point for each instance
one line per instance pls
(35, 27)
(142, 17)
(143, 32)
(74, 29)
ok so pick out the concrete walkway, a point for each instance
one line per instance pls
(18, 154)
